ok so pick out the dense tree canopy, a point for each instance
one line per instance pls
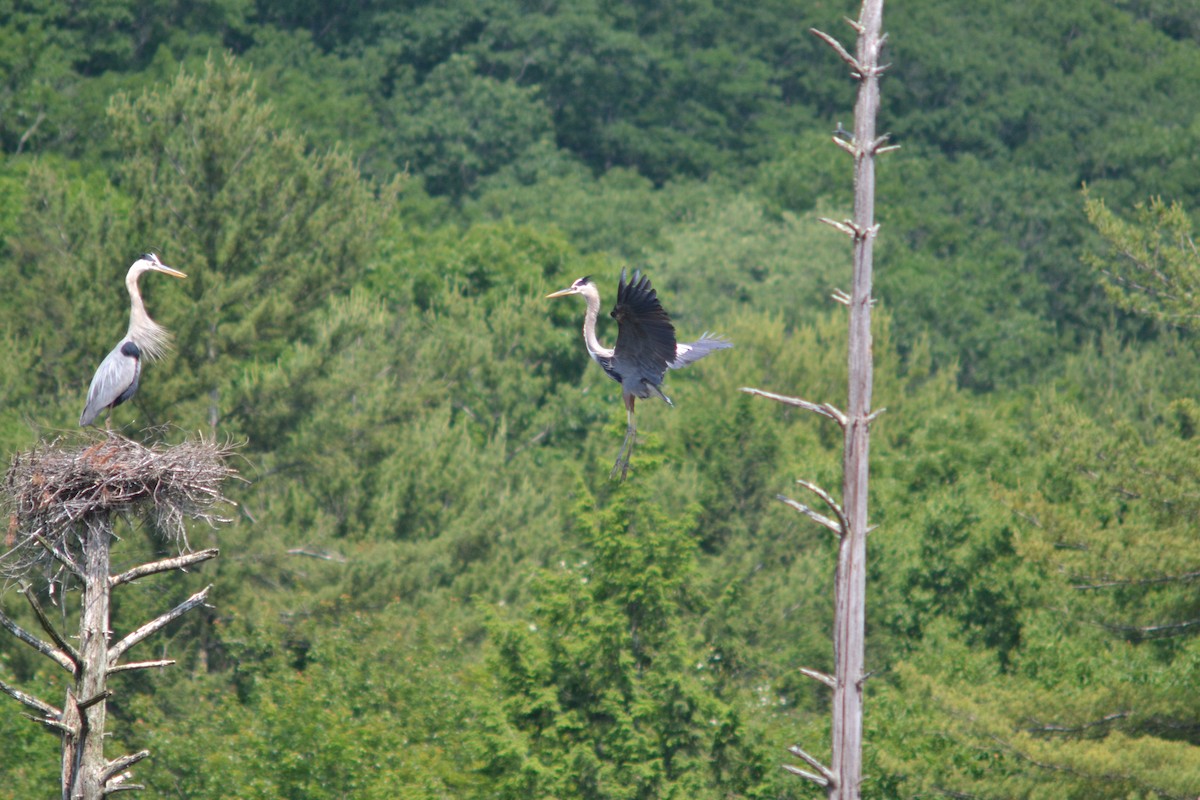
(432, 589)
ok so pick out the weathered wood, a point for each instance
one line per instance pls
(824, 409)
(59, 556)
(124, 762)
(166, 565)
(156, 624)
(28, 700)
(817, 675)
(48, 626)
(162, 662)
(812, 514)
(850, 589)
(91, 684)
(49, 651)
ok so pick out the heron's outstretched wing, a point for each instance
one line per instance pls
(113, 382)
(645, 335)
(694, 351)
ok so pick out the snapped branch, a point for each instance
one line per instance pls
(829, 501)
(122, 763)
(812, 776)
(49, 628)
(156, 624)
(842, 52)
(823, 677)
(823, 770)
(29, 701)
(824, 409)
(166, 565)
(814, 515)
(50, 652)
(60, 556)
(132, 665)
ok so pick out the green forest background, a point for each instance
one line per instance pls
(432, 589)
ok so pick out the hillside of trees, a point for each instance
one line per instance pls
(431, 588)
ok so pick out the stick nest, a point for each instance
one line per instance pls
(54, 490)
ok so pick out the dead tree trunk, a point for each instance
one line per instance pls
(62, 504)
(843, 777)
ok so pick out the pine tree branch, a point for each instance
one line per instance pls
(29, 701)
(54, 725)
(60, 556)
(156, 624)
(122, 763)
(842, 52)
(815, 516)
(824, 409)
(132, 665)
(124, 787)
(52, 653)
(1154, 631)
(821, 769)
(99, 697)
(1105, 720)
(829, 501)
(1181, 578)
(49, 628)
(822, 677)
(166, 565)
(812, 776)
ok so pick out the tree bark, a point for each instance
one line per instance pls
(851, 588)
(83, 762)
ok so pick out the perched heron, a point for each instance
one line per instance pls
(645, 350)
(117, 378)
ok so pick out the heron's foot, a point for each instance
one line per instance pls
(620, 469)
(626, 453)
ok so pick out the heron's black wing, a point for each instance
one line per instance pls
(645, 336)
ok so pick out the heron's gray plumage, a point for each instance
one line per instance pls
(694, 351)
(646, 347)
(116, 380)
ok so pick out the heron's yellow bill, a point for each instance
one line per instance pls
(174, 273)
(561, 292)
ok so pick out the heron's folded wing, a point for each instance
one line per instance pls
(117, 373)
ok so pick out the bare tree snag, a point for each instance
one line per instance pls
(843, 777)
(61, 503)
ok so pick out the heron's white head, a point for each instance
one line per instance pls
(153, 339)
(581, 286)
(150, 262)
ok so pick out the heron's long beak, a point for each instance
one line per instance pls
(561, 292)
(174, 273)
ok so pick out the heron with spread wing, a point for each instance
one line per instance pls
(645, 349)
(117, 378)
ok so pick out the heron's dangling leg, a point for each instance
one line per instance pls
(626, 451)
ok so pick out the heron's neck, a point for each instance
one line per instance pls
(594, 347)
(152, 339)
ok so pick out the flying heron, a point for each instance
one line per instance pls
(645, 350)
(117, 378)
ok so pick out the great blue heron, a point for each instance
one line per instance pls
(117, 378)
(645, 349)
